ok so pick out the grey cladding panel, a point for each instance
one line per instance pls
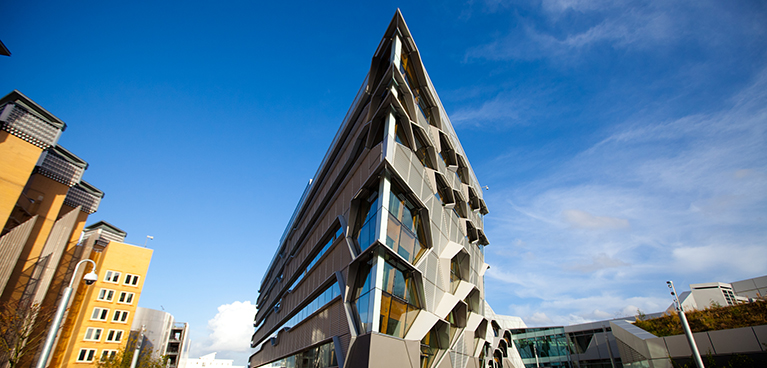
(29, 127)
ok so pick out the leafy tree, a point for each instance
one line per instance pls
(22, 330)
(124, 357)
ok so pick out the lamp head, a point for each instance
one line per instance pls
(90, 278)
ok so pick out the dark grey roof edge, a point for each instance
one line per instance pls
(88, 187)
(18, 97)
(4, 50)
(107, 226)
(69, 156)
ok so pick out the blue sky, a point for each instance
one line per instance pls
(623, 142)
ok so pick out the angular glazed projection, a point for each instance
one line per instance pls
(363, 295)
(399, 301)
(367, 221)
(404, 232)
(434, 344)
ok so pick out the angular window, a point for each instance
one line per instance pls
(434, 343)
(367, 221)
(399, 301)
(447, 153)
(422, 150)
(457, 320)
(363, 294)
(399, 135)
(404, 232)
(460, 208)
(455, 274)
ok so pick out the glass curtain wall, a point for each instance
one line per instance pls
(399, 301)
(367, 220)
(404, 232)
(547, 347)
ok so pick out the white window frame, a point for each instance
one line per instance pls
(127, 295)
(90, 355)
(103, 312)
(112, 277)
(123, 316)
(106, 292)
(111, 334)
(93, 330)
(105, 354)
(131, 280)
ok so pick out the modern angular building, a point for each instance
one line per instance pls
(382, 263)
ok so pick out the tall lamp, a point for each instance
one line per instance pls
(686, 326)
(89, 278)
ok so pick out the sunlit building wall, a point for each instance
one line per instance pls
(44, 204)
(100, 320)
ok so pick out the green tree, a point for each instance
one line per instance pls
(124, 357)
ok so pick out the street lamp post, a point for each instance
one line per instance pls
(686, 326)
(89, 278)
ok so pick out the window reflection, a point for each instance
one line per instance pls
(399, 301)
(432, 345)
(362, 297)
(367, 220)
(404, 231)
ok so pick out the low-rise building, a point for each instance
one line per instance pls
(211, 361)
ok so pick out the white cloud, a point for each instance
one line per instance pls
(230, 332)
(716, 256)
(569, 28)
(585, 220)
(658, 199)
(539, 318)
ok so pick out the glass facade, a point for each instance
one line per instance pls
(323, 356)
(553, 347)
(363, 297)
(368, 220)
(399, 301)
(404, 232)
(455, 274)
(546, 347)
(433, 345)
(421, 151)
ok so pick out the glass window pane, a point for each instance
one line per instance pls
(392, 233)
(407, 246)
(362, 305)
(396, 323)
(385, 311)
